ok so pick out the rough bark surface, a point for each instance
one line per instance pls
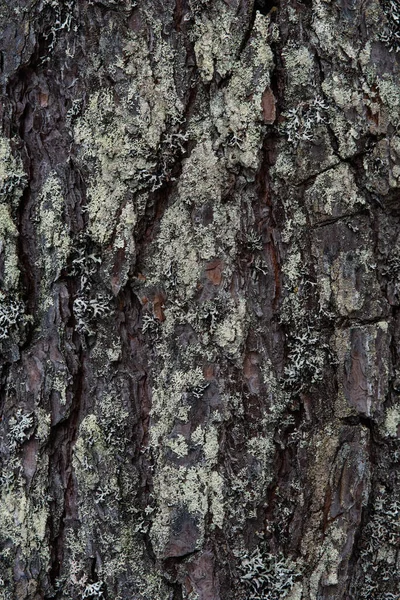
(199, 324)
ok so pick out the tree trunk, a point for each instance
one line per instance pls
(200, 262)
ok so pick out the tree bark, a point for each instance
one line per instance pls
(199, 325)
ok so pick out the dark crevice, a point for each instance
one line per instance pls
(357, 420)
(61, 441)
(346, 322)
(177, 593)
(16, 94)
(344, 217)
(245, 38)
(264, 6)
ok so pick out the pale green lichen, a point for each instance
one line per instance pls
(24, 514)
(59, 384)
(236, 110)
(43, 419)
(178, 445)
(198, 489)
(334, 194)
(12, 175)
(55, 241)
(8, 245)
(206, 169)
(106, 504)
(169, 400)
(214, 32)
(186, 245)
(392, 421)
(334, 35)
(299, 63)
(183, 245)
(229, 334)
(120, 137)
(344, 271)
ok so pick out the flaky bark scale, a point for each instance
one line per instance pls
(199, 300)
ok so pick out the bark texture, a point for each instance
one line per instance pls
(199, 324)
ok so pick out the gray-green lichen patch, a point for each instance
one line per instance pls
(184, 248)
(198, 231)
(197, 491)
(378, 546)
(105, 146)
(204, 167)
(381, 166)
(270, 576)
(337, 460)
(53, 232)
(12, 175)
(112, 519)
(333, 194)
(300, 65)
(305, 158)
(392, 422)
(359, 104)
(121, 135)
(24, 511)
(169, 401)
(236, 110)
(333, 34)
(8, 241)
(218, 35)
(12, 182)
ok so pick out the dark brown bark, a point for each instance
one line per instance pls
(199, 221)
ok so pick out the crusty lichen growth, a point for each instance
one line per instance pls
(198, 229)
(12, 175)
(331, 289)
(198, 489)
(334, 194)
(8, 238)
(24, 511)
(120, 137)
(337, 148)
(107, 488)
(53, 233)
(236, 109)
(12, 183)
(392, 422)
